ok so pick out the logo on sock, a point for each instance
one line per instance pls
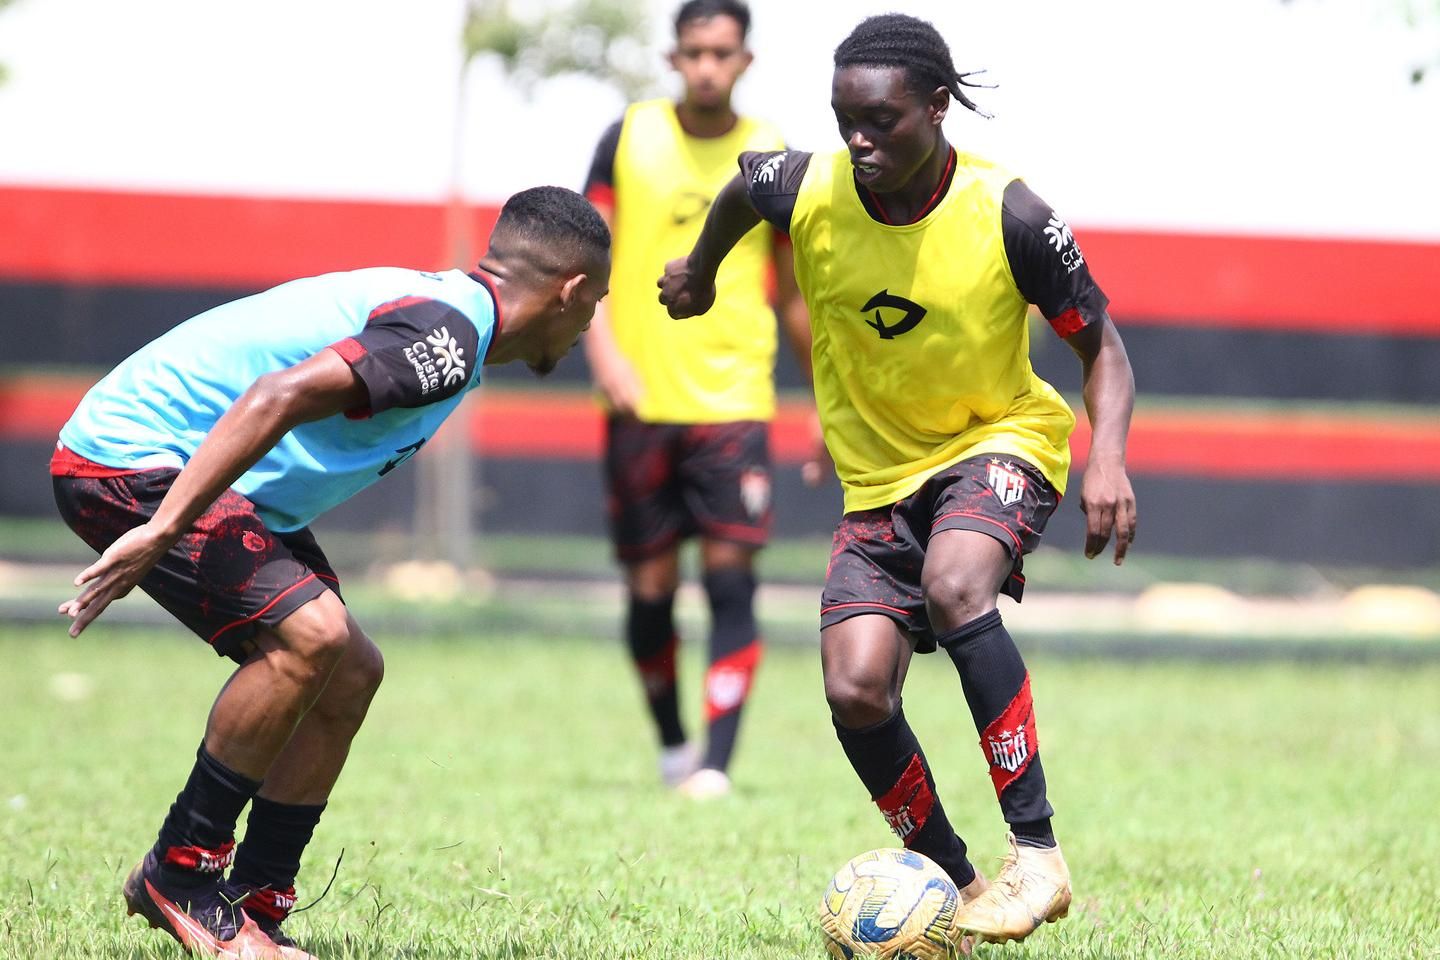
(727, 682)
(906, 807)
(200, 859)
(1010, 749)
(1009, 741)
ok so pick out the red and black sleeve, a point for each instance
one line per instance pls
(600, 181)
(413, 351)
(1046, 262)
(773, 179)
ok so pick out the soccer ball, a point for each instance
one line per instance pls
(896, 904)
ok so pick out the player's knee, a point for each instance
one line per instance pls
(353, 684)
(366, 666)
(859, 700)
(315, 638)
(956, 596)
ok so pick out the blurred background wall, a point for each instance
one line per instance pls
(1252, 182)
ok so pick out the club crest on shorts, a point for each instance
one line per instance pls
(755, 492)
(1007, 482)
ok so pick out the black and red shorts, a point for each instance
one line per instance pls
(225, 578)
(877, 556)
(669, 481)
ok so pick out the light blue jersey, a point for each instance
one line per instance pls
(416, 339)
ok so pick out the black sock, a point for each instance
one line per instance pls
(650, 632)
(275, 837)
(197, 839)
(888, 758)
(734, 654)
(997, 688)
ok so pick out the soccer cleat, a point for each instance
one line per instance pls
(1033, 887)
(704, 784)
(268, 908)
(678, 762)
(201, 918)
(964, 942)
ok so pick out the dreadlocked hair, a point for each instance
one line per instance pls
(900, 40)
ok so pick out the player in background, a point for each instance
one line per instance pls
(918, 263)
(196, 466)
(688, 405)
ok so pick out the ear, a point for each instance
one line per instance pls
(570, 290)
(746, 58)
(673, 59)
(938, 106)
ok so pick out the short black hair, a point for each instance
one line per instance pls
(900, 40)
(558, 219)
(705, 9)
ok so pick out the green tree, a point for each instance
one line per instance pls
(3, 5)
(1418, 15)
(603, 39)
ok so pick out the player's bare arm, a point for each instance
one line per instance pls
(688, 286)
(613, 374)
(318, 387)
(1109, 391)
(795, 325)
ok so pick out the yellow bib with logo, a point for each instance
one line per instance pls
(921, 338)
(710, 369)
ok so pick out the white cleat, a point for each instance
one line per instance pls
(678, 762)
(705, 784)
(1032, 888)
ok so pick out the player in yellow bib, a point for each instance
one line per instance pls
(688, 405)
(918, 264)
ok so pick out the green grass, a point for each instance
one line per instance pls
(790, 560)
(501, 802)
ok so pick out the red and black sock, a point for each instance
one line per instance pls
(650, 632)
(275, 837)
(997, 688)
(888, 758)
(735, 650)
(197, 839)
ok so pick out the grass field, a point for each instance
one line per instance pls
(502, 803)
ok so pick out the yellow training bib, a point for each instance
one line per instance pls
(710, 369)
(921, 342)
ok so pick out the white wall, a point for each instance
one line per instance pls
(1250, 115)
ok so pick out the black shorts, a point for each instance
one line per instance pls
(877, 555)
(668, 481)
(225, 578)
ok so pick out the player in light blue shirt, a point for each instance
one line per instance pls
(196, 466)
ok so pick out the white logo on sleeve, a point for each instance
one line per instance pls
(449, 355)
(438, 360)
(766, 172)
(1058, 231)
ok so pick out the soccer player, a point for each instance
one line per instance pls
(197, 465)
(918, 263)
(687, 448)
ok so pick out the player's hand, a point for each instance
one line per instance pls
(685, 291)
(1109, 505)
(817, 466)
(114, 575)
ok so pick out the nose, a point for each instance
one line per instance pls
(858, 143)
